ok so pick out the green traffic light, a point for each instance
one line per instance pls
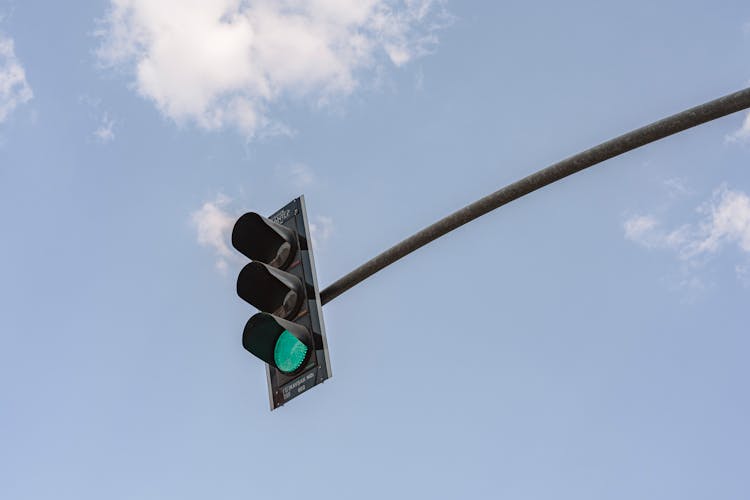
(289, 353)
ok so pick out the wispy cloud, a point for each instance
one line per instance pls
(743, 133)
(300, 175)
(723, 221)
(419, 80)
(105, 132)
(677, 188)
(213, 224)
(321, 229)
(14, 89)
(105, 124)
(646, 230)
(225, 62)
(639, 228)
(726, 222)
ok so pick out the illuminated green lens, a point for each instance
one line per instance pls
(289, 352)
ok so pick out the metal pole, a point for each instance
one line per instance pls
(692, 117)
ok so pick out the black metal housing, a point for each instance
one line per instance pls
(273, 279)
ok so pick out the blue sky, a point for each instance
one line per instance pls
(588, 341)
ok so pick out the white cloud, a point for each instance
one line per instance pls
(302, 175)
(105, 132)
(646, 231)
(727, 221)
(743, 133)
(224, 62)
(321, 229)
(299, 175)
(105, 128)
(213, 225)
(639, 228)
(724, 222)
(677, 188)
(14, 89)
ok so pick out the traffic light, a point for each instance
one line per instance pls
(288, 332)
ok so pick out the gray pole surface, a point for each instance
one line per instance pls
(692, 117)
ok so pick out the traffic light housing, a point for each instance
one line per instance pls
(288, 332)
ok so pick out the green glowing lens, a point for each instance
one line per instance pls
(289, 352)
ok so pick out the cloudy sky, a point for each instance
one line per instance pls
(588, 341)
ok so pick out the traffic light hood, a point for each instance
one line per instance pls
(263, 240)
(271, 290)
